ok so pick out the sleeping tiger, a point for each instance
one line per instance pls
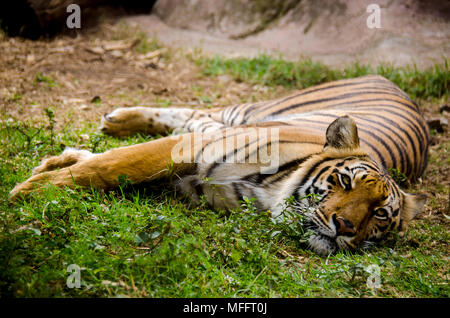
(335, 141)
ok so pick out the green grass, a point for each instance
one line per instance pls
(272, 71)
(147, 241)
(41, 78)
(145, 44)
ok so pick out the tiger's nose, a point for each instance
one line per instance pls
(343, 226)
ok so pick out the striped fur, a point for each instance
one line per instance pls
(335, 141)
(390, 125)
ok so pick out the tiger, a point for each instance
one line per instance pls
(335, 142)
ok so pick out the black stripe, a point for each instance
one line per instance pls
(279, 177)
(395, 213)
(392, 88)
(197, 187)
(420, 134)
(401, 150)
(188, 127)
(389, 91)
(392, 226)
(406, 133)
(307, 175)
(260, 178)
(237, 192)
(230, 116)
(322, 171)
(400, 225)
(369, 166)
(361, 101)
(216, 164)
(190, 117)
(234, 152)
(412, 119)
(382, 228)
(280, 142)
(417, 119)
(223, 135)
(330, 180)
(338, 97)
(206, 125)
(394, 188)
(323, 87)
(370, 133)
(375, 150)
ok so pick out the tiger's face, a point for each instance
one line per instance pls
(358, 202)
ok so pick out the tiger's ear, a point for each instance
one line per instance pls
(342, 134)
(412, 205)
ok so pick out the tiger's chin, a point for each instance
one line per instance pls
(325, 245)
(322, 244)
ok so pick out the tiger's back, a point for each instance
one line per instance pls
(389, 123)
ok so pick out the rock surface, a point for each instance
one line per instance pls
(334, 32)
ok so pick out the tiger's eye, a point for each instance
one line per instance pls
(381, 213)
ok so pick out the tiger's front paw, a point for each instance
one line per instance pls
(22, 190)
(60, 178)
(51, 170)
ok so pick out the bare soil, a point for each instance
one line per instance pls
(76, 70)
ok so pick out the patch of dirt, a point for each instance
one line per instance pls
(436, 179)
(68, 74)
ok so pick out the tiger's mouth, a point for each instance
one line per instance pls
(321, 238)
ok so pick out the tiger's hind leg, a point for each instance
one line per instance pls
(127, 121)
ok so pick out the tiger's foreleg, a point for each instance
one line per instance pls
(140, 163)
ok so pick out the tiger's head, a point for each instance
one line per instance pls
(358, 201)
